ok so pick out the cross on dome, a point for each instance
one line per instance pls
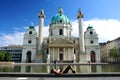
(60, 11)
(60, 18)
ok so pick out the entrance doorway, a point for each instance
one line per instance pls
(92, 55)
(61, 54)
(28, 57)
(61, 57)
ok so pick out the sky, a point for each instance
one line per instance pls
(17, 15)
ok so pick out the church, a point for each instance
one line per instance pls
(60, 45)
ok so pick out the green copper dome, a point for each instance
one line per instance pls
(89, 27)
(60, 18)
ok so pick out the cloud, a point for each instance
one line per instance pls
(107, 29)
(45, 30)
(10, 39)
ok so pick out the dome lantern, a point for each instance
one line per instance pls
(60, 18)
(60, 11)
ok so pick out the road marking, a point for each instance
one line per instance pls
(22, 78)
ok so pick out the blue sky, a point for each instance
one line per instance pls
(16, 15)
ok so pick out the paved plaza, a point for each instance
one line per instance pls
(76, 78)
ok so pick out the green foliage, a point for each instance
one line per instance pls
(2, 56)
(5, 56)
(8, 56)
(114, 53)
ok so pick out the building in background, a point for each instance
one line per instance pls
(106, 47)
(60, 45)
(15, 50)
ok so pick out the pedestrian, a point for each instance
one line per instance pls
(64, 71)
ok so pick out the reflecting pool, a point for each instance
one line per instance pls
(47, 68)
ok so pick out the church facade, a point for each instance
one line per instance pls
(60, 45)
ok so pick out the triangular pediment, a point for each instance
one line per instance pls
(61, 41)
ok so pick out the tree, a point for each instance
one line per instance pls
(2, 56)
(114, 53)
(8, 56)
(119, 53)
(5, 56)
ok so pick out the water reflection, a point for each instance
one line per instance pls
(34, 68)
(5, 68)
(47, 68)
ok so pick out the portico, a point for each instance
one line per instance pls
(61, 52)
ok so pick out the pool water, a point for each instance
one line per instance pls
(47, 68)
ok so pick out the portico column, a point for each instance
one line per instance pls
(64, 54)
(49, 55)
(74, 56)
(53, 54)
(58, 54)
(68, 53)
(73, 53)
(49, 51)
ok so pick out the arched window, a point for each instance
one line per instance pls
(30, 32)
(61, 32)
(28, 57)
(60, 20)
(91, 32)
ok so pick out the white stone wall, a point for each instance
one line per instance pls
(68, 54)
(92, 46)
(25, 50)
(29, 46)
(96, 49)
(67, 29)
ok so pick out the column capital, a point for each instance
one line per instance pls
(41, 14)
(80, 14)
